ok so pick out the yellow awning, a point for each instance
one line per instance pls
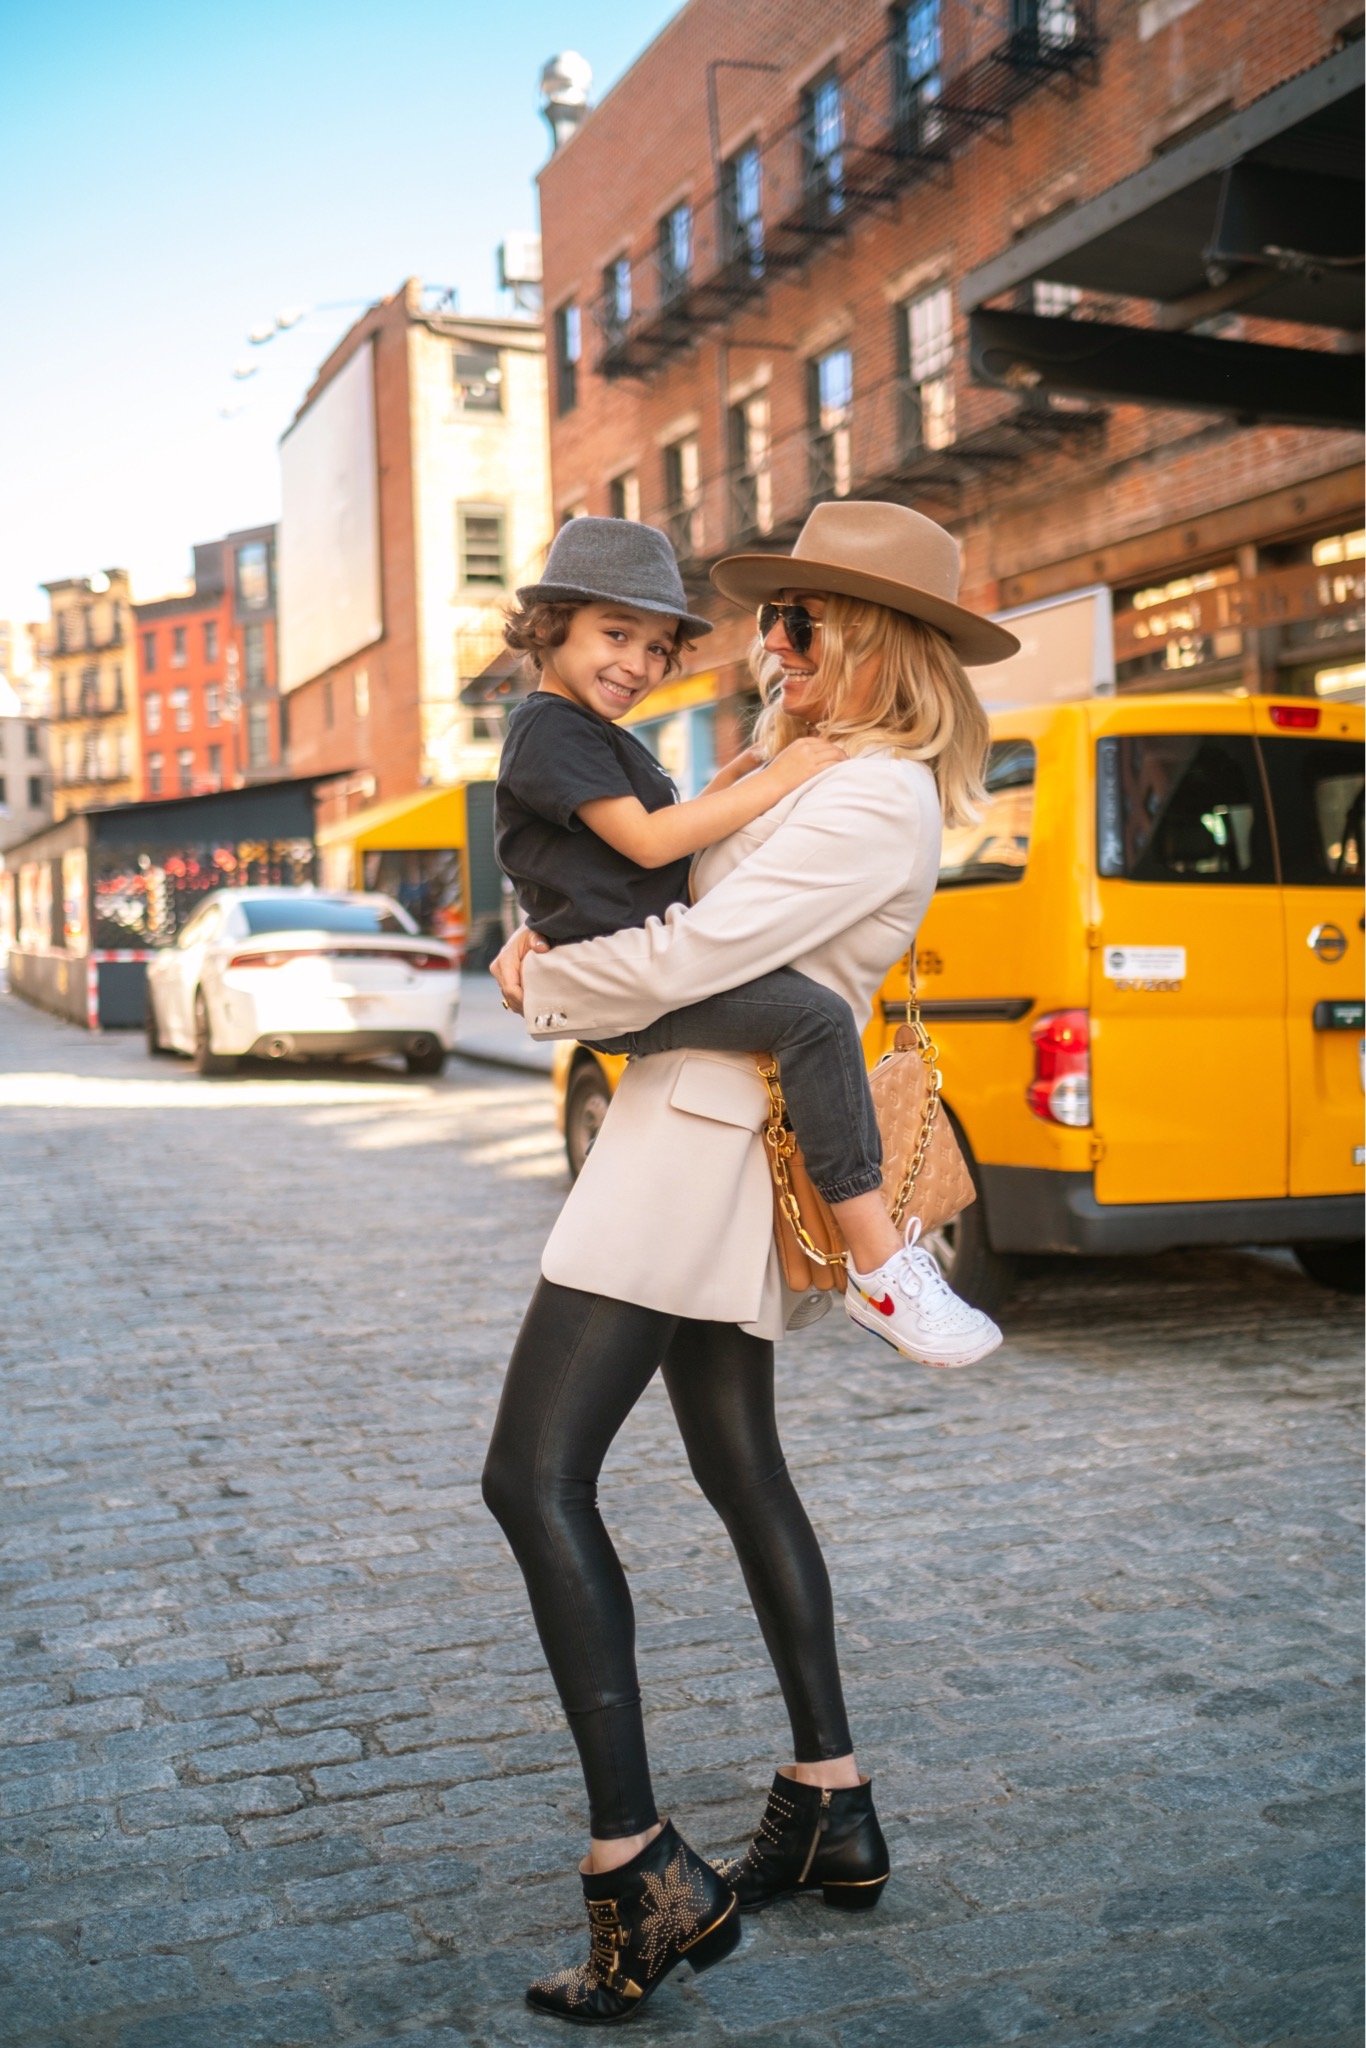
(429, 819)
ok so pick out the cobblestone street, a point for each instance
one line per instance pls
(282, 1767)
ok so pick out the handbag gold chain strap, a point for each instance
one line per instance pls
(782, 1143)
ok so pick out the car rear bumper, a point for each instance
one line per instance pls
(1031, 1209)
(339, 1045)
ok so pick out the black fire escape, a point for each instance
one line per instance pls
(883, 128)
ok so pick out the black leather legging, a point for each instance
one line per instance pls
(580, 1364)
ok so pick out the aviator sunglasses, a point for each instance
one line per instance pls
(798, 624)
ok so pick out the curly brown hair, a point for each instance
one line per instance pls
(534, 630)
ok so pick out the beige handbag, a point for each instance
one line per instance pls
(924, 1173)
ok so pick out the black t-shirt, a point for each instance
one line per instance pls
(571, 884)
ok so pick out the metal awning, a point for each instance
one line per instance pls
(1260, 212)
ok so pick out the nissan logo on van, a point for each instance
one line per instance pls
(1328, 941)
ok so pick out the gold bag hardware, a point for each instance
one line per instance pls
(921, 1157)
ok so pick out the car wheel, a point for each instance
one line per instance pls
(585, 1107)
(982, 1276)
(206, 1060)
(1335, 1263)
(154, 1045)
(433, 1061)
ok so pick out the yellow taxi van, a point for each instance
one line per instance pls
(1143, 968)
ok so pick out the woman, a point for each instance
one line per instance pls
(663, 1256)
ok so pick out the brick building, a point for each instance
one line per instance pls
(985, 261)
(416, 495)
(208, 705)
(93, 733)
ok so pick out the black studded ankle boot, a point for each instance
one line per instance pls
(812, 1838)
(666, 1906)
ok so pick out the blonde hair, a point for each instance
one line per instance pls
(921, 703)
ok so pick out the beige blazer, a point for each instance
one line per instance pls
(674, 1207)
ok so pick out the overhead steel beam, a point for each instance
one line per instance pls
(1212, 150)
(1257, 385)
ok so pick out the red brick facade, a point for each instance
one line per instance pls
(1067, 495)
(208, 707)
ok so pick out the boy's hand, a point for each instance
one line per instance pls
(742, 764)
(804, 758)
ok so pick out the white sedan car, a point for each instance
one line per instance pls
(298, 974)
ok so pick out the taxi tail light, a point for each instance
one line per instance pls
(1296, 717)
(1060, 1092)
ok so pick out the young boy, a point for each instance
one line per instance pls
(589, 828)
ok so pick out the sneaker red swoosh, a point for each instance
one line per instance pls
(885, 1307)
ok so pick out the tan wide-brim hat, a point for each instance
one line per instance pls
(854, 547)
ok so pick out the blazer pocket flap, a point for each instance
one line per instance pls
(726, 1094)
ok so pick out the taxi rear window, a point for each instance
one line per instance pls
(1316, 794)
(1182, 807)
(995, 847)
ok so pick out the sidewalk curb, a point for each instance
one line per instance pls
(479, 1056)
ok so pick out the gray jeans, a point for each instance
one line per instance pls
(810, 1030)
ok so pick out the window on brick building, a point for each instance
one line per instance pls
(742, 209)
(216, 767)
(623, 495)
(482, 546)
(33, 741)
(616, 298)
(116, 682)
(478, 378)
(1043, 24)
(568, 512)
(252, 570)
(568, 352)
(90, 692)
(154, 767)
(917, 72)
(830, 412)
(151, 711)
(683, 495)
(1053, 301)
(254, 655)
(751, 484)
(329, 710)
(822, 124)
(258, 735)
(179, 653)
(925, 347)
(360, 692)
(180, 710)
(149, 654)
(675, 253)
(90, 766)
(35, 792)
(213, 704)
(210, 639)
(184, 771)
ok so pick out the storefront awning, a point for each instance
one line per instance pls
(1259, 213)
(431, 818)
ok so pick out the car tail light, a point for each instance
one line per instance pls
(1061, 1089)
(436, 963)
(263, 959)
(1296, 717)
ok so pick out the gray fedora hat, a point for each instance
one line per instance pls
(615, 561)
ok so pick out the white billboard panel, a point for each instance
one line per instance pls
(1067, 650)
(329, 527)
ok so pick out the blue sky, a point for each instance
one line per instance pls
(170, 176)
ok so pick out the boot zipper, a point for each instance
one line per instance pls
(820, 1830)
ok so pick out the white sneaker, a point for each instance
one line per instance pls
(910, 1305)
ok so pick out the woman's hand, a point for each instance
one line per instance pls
(507, 967)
